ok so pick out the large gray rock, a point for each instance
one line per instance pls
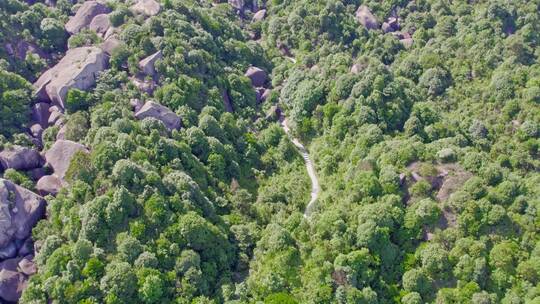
(259, 16)
(20, 158)
(55, 117)
(155, 110)
(9, 251)
(84, 16)
(146, 7)
(366, 18)
(227, 101)
(407, 42)
(12, 282)
(40, 113)
(258, 76)
(20, 209)
(110, 44)
(49, 184)
(100, 24)
(78, 69)
(147, 65)
(27, 265)
(60, 154)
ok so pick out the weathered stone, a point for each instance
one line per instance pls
(27, 265)
(407, 42)
(258, 76)
(21, 48)
(9, 251)
(60, 154)
(84, 16)
(146, 7)
(55, 109)
(49, 184)
(12, 283)
(144, 85)
(20, 209)
(110, 45)
(78, 69)
(259, 16)
(136, 104)
(40, 113)
(357, 68)
(155, 110)
(55, 116)
(20, 158)
(366, 18)
(36, 130)
(100, 24)
(147, 65)
(390, 26)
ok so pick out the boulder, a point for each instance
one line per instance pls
(357, 68)
(144, 85)
(27, 265)
(20, 158)
(155, 110)
(40, 113)
(259, 16)
(136, 104)
(146, 7)
(20, 209)
(366, 18)
(78, 69)
(391, 25)
(59, 156)
(147, 65)
(61, 133)
(110, 45)
(84, 16)
(12, 283)
(36, 130)
(55, 116)
(100, 24)
(49, 184)
(407, 42)
(258, 76)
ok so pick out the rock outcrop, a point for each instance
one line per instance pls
(49, 184)
(147, 65)
(59, 156)
(259, 16)
(110, 45)
(366, 18)
(20, 158)
(100, 24)
(12, 282)
(162, 113)
(146, 7)
(78, 69)
(84, 16)
(258, 76)
(20, 209)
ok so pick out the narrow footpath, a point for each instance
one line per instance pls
(315, 188)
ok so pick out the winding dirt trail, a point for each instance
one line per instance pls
(315, 188)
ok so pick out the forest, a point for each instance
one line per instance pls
(269, 151)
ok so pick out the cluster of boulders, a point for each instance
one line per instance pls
(365, 17)
(20, 209)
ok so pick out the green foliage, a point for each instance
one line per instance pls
(14, 102)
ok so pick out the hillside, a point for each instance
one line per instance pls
(308, 151)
